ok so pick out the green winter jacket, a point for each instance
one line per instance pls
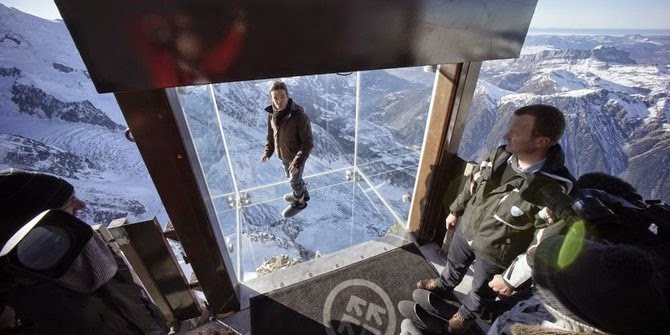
(493, 218)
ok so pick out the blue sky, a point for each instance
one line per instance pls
(602, 14)
(575, 14)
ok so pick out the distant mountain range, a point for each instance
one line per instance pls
(613, 89)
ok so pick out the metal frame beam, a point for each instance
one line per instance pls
(165, 152)
(440, 170)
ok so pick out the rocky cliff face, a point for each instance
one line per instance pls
(21, 152)
(34, 101)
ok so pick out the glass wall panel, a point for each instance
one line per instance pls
(210, 144)
(330, 102)
(391, 123)
(360, 174)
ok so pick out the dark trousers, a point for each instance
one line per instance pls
(459, 258)
(296, 182)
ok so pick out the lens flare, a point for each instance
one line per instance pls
(572, 245)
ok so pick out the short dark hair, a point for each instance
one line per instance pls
(278, 85)
(610, 184)
(549, 120)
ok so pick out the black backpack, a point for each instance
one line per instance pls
(643, 224)
(617, 220)
(657, 214)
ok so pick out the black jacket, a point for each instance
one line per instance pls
(118, 307)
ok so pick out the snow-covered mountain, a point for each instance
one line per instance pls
(52, 120)
(612, 89)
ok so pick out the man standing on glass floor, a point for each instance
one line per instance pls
(289, 133)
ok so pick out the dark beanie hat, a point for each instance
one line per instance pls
(614, 288)
(24, 194)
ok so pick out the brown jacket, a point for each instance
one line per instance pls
(289, 133)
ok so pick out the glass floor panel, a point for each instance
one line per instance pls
(341, 212)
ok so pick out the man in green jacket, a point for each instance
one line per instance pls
(289, 133)
(494, 224)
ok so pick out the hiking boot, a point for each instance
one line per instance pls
(458, 324)
(293, 209)
(433, 285)
(290, 197)
(430, 284)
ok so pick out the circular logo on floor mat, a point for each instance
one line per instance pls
(358, 306)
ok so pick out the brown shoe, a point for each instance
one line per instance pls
(430, 284)
(458, 324)
(433, 285)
